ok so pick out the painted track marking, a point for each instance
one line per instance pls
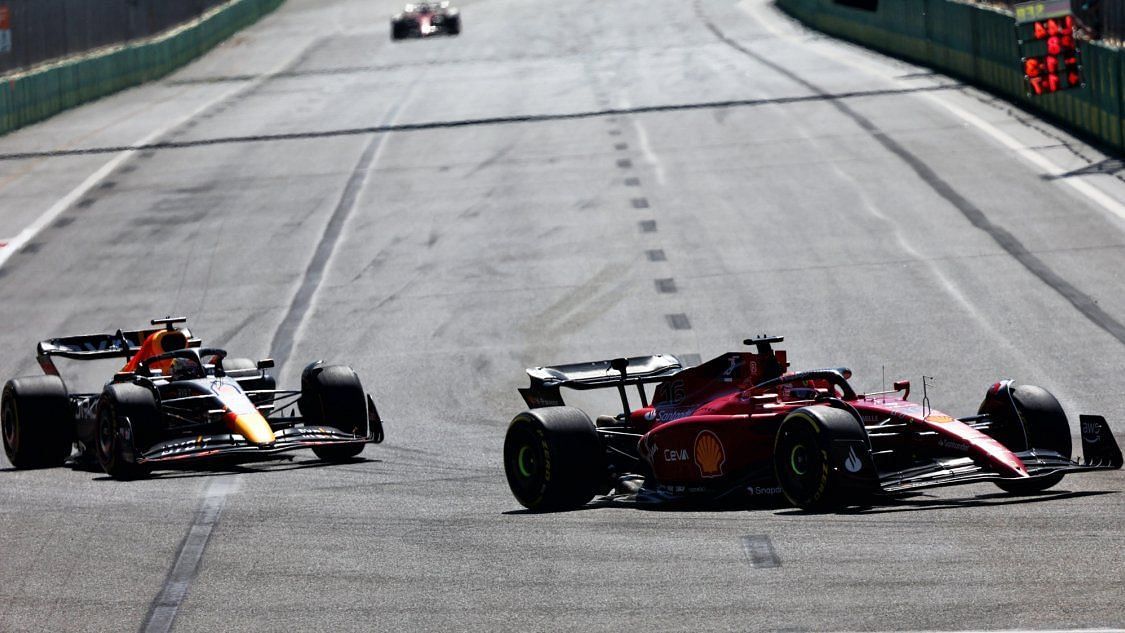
(768, 16)
(29, 233)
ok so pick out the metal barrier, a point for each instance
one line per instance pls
(43, 30)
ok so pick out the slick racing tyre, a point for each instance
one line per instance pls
(1045, 423)
(554, 459)
(128, 423)
(250, 378)
(453, 25)
(803, 460)
(38, 425)
(331, 395)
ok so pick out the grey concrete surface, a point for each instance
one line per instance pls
(457, 256)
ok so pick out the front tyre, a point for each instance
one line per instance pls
(331, 395)
(128, 423)
(554, 459)
(453, 25)
(803, 460)
(1028, 417)
(37, 422)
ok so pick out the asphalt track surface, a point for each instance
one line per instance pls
(564, 181)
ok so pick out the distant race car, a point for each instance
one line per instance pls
(424, 19)
(741, 426)
(175, 402)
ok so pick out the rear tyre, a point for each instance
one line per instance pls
(453, 25)
(331, 395)
(802, 462)
(128, 424)
(1046, 428)
(554, 459)
(37, 421)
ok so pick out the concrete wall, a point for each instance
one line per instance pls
(35, 94)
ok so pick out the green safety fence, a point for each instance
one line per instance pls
(30, 96)
(979, 45)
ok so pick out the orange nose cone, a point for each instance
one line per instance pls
(252, 426)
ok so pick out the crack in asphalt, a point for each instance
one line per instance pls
(483, 121)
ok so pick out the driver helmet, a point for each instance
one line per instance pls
(185, 369)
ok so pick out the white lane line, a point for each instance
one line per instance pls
(770, 18)
(14, 244)
(1081, 186)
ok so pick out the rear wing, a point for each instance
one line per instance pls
(739, 368)
(546, 382)
(122, 344)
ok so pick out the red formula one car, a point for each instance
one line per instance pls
(741, 425)
(425, 19)
(175, 402)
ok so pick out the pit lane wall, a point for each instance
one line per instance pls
(34, 94)
(978, 44)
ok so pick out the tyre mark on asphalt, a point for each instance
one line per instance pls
(282, 344)
(607, 113)
(162, 612)
(1084, 303)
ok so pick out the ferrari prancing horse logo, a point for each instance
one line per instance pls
(709, 454)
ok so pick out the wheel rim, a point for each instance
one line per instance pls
(9, 424)
(106, 431)
(526, 462)
(801, 476)
(799, 459)
(524, 465)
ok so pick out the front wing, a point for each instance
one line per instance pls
(227, 444)
(288, 438)
(1099, 449)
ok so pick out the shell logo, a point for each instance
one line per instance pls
(709, 454)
